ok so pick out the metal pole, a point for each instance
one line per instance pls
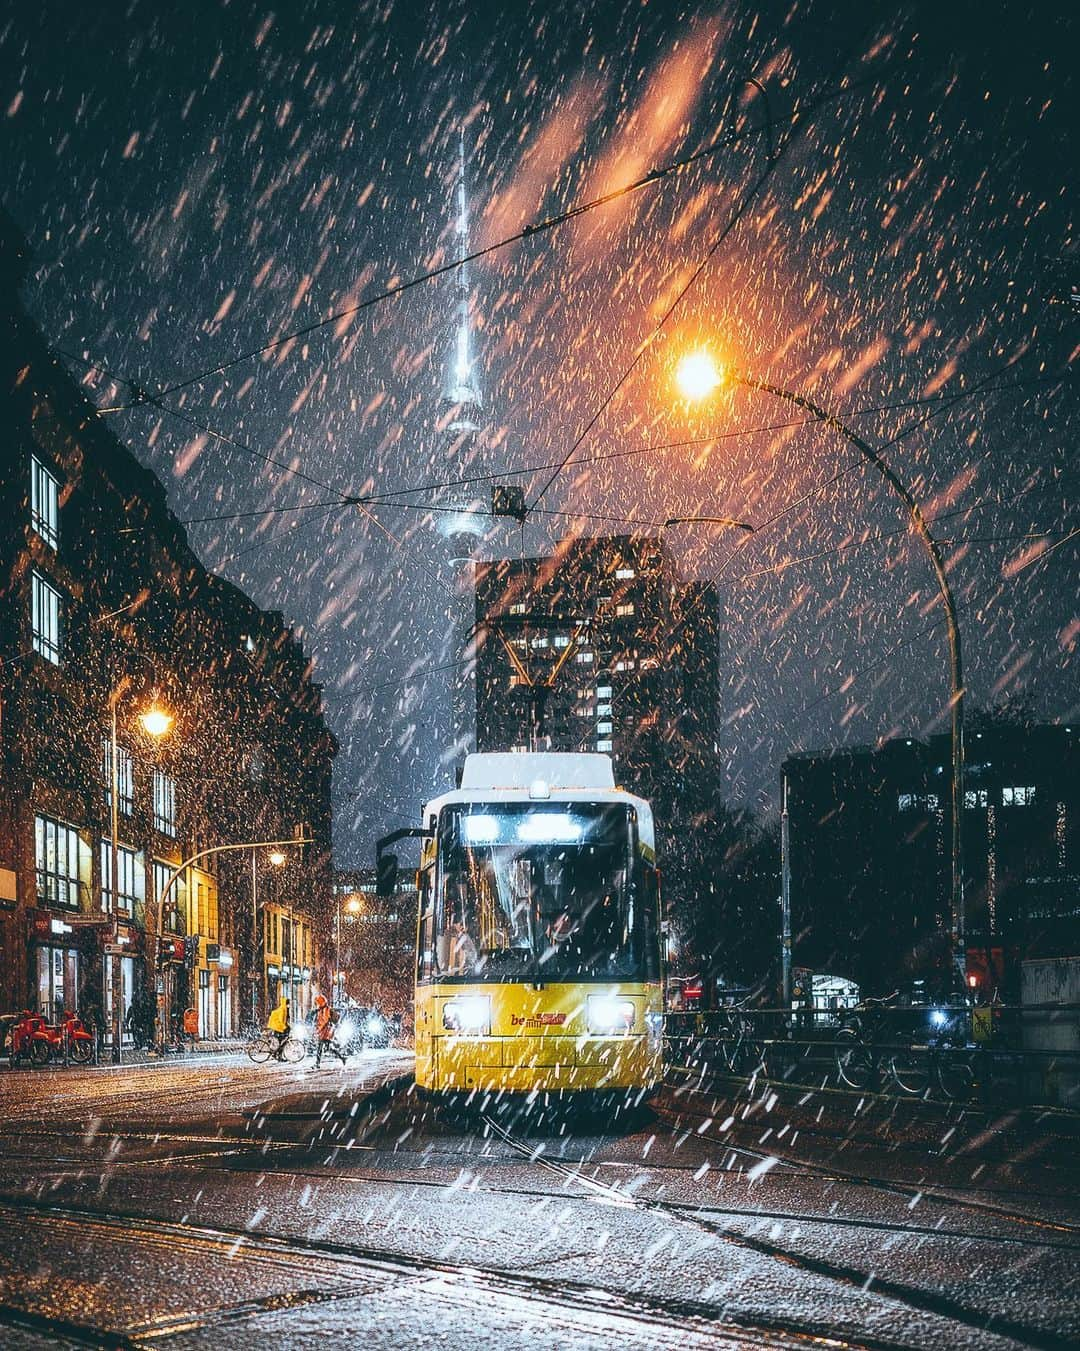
(256, 963)
(337, 954)
(115, 1016)
(957, 943)
(785, 896)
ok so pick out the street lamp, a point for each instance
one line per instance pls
(698, 375)
(156, 722)
(353, 905)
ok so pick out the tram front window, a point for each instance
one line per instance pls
(546, 892)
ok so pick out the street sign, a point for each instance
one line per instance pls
(114, 949)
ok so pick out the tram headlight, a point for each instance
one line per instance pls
(470, 1014)
(607, 1013)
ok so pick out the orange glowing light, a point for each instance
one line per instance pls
(697, 375)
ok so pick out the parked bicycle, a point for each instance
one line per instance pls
(868, 1051)
(742, 1051)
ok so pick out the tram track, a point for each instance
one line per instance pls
(350, 1271)
(898, 1187)
(911, 1297)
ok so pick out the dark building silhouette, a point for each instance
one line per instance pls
(103, 604)
(869, 857)
(601, 647)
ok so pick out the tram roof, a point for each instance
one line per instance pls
(541, 776)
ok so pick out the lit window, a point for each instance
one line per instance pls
(602, 709)
(57, 857)
(518, 608)
(132, 878)
(603, 691)
(909, 802)
(45, 617)
(625, 665)
(44, 503)
(164, 803)
(626, 608)
(1018, 797)
(539, 642)
(978, 797)
(603, 727)
(584, 657)
(516, 680)
(561, 640)
(625, 574)
(604, 744)
(125, 777)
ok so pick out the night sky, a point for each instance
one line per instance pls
(199, 179)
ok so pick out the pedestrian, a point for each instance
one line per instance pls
(324, 1031)
(278, 1026)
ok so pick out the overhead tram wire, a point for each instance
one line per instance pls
(530, 231)
(971, 391)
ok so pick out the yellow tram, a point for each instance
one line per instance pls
(538, 965)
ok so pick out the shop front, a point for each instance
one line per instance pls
(57, 965)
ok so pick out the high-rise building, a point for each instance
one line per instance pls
(600, 647)
(868, 857)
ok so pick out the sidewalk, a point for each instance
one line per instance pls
(131, 1056)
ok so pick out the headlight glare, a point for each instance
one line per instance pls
(469, 1014)
(608, 1013)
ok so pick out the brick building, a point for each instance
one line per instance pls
(103, 608)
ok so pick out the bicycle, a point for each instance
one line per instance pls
(742, 1052)
(264, 1047)
(943, 1060)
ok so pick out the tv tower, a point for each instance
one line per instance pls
(460, 422)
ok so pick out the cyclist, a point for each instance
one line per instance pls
(278, 1026)
(325, 1017)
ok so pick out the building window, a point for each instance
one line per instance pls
(56, 856)
(603, 691)
(561, 640)
(1017, 797)
(125, 777)
(176, 901)
(516, 680)
(44, 503)
(45, 616)
(603, 710)
(603, 744)
(164, 803)
(132, 878)
(626, 608)
(539, 642)
(625, 574)
(518, 608)
(584, 657)
(603, 727)
(911, 802)
(979, 797)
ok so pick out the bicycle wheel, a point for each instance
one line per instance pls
(910, 1070)
(81, 1052)
(854, 1061)
(260, 1050)
(293, 1050)
(955, 1073)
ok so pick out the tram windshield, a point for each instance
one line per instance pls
(546, 892)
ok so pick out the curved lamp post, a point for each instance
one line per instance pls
(698, 376)
(177, 872)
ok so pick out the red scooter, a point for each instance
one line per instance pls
(26, 1037)
(79, 1038)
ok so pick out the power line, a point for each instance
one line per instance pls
(526, 232)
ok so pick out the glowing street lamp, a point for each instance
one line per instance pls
(697, 376)
(156, 722)
(276, 858)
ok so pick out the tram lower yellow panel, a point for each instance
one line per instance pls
(538, 1040)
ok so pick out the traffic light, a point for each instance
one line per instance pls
(171, 950)
(191, 950)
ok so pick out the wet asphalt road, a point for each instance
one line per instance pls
(215, 1203)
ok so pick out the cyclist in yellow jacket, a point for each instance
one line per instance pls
(278, 1025)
